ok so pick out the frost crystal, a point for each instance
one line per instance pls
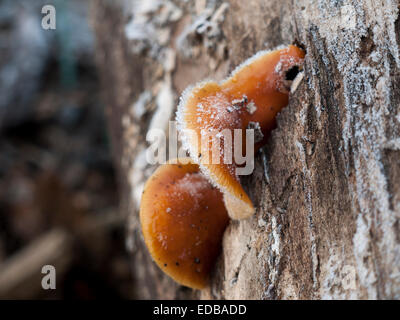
(258, 135)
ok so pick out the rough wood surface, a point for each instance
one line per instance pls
(327, 184)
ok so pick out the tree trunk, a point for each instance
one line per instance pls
(327, 184)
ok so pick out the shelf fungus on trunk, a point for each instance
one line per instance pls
(249, 99)
(183, 219)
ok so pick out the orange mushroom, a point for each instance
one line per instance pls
(183, 218)
(249, 99)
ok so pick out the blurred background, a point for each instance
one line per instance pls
(58, 191)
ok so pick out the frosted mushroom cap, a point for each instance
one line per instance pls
(250, 98)
(183, 218)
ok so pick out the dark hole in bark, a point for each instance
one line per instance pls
(292, 73)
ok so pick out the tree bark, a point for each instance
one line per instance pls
(327, 184)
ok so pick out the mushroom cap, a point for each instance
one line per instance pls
(183, 218)
(254, 93)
